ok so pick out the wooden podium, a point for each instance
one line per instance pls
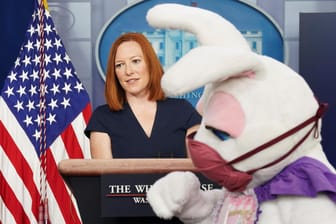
(113, 191)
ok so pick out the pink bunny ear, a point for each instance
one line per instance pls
(249, 74)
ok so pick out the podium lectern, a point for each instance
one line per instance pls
(114, 191)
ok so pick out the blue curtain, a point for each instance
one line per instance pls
(14, 19)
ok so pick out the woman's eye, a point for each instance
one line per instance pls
(222, 135)
(136, 61)
(118, 65)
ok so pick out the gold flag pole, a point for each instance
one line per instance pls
(45, 2)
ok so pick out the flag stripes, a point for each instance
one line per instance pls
(20, 170)
(26, 177)
(13, 205)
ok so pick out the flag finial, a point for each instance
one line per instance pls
(45, 3)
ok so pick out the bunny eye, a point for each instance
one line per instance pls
(222, 135)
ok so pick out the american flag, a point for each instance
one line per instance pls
(44, 109)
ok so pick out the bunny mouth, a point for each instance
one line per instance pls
(211, 164)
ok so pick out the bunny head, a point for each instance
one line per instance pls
(249, 100)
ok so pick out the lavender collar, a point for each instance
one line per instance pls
(305, 177)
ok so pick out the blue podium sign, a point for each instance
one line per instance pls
(124, 195)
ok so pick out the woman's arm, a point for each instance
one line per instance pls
(193, 129)
(100, 145)
(190, 131)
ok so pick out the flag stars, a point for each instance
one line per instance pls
(36, 59)
(38, 120)
(35, 75)
(26, 60)
(66, 58)
(37, 105)
(46, 74)
(47, 29)
(57, 58)
(47, 59)
(37, 13)
(29, 45)
(9, 91)
(55, 89)
(12, 76)
(68, 73)
(21, 90)
(32, 90)
(66, 102)
(37, 135)
(17, 62)
(18, 106)
(24, 76)
(30, 105)
(56, 73)
(67, 88)
(53, 104)
(47, 14)
(36, 88)
(57, 43)
(37, 44)
(48, 44)
(79, 86)
(34, 16)
(28, 120)
(31, 30)
(41, 86)
(51, 118)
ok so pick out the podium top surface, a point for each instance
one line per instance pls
(92, 167)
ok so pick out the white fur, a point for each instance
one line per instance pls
(276, 100)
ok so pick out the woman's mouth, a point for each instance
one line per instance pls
(131, 81)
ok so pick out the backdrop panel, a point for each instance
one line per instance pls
(317, 64)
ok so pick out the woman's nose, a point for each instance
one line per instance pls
(129, 69)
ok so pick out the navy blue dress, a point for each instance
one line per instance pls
(173, 118)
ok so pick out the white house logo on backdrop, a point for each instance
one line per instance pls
(261, 32)
(171, 45)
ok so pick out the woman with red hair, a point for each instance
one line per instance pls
(138, 121)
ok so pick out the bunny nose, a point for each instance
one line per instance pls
(225, 113)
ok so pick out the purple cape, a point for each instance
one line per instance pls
(305, 177)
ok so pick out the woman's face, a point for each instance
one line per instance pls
(131, 69)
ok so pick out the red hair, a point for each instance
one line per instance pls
(114, 94)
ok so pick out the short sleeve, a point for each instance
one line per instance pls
(96, 122)
(192, 115)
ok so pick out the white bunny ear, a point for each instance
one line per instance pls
(223, 50)
(207, 64)
(209, 27)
